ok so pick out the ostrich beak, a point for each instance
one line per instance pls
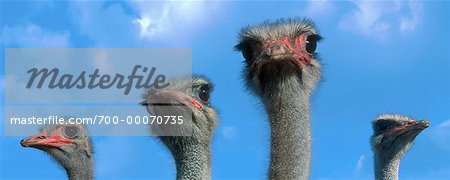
(43, 139)
(283, 49)
(422, 124)
(161, 99)
(411, 125)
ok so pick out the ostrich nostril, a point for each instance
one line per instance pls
(41, 137)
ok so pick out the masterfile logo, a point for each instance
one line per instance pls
(95, 80)
(98, 87)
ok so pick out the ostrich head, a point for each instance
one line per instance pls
(280, 50)
(394, 134)
(189, 98)
(68, 144)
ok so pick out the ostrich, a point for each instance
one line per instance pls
(392, 136)
(69, 145)
(189, 141)
(282, 69)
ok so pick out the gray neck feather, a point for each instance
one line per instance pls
(193, 162)
(288, 109)
(80, 169)
(386, 168)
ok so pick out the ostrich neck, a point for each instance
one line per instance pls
(386, 168)
(288, 110)
(193, 162)
(82, 169)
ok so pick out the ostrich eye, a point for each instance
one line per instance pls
(247, 53)
(70, 131)
(203, 93)
(311, 43)
(382, 126)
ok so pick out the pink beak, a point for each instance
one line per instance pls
(43, 139)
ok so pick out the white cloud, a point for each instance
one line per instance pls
(32, 35)
(360, 163)
(137, 22)
(319, 8)
(441, 135)
(445, 124)
(172, 20)
(379, 18)
(229, 132)
(106, 26)
(409, 23)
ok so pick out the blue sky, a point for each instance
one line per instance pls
(378, 56)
